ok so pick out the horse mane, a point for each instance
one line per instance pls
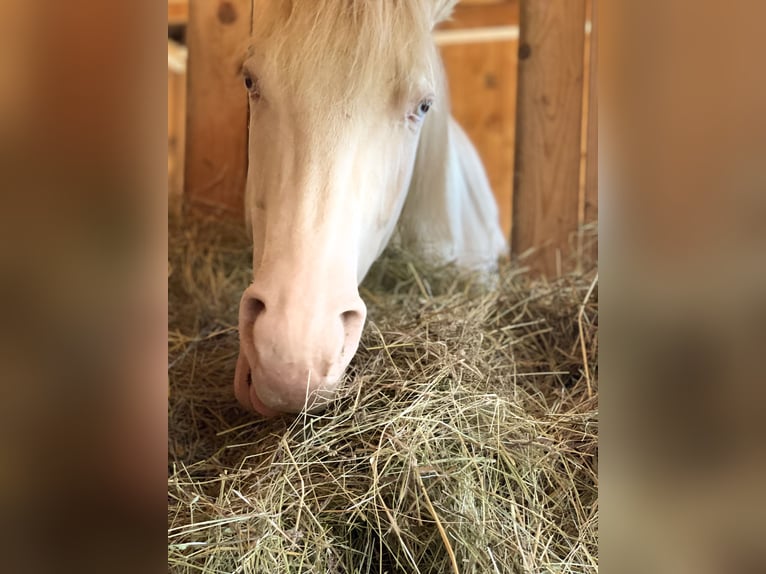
(443, 10)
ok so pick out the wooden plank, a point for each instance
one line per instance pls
(482, 81)
(476, 35)
(548, 124)
(176, 116)
(587, 244)
(216, 144)
(178, 12)
(591, 168)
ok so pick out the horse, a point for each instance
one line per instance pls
(351, 143)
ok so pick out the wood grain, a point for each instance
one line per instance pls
(587, 210)
(216, 146)
(548, 124)
(591, 167)
(482, 83)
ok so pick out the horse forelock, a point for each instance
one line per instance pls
(348, 49)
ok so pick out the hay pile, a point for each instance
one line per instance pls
(466, 440)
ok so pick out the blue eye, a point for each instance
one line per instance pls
(420, 110)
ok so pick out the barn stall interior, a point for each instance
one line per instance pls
(466, 436)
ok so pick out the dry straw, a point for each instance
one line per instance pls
(465, 441)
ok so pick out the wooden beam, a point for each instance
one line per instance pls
(476, 35)
(548, 128)
(178, 12)
(217, 109)
(587, 210)
(588, 217)
(591, 168)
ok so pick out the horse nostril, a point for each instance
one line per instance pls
(253, 307)
(351, 319)
(249, 378)
(353, 322)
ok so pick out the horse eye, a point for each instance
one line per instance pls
(421, 110)
(252, 86)
(417, 114)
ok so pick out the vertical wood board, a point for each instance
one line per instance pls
(548, 128)
(216, 150)
(178, 12)
(176, 116)
(591, 168)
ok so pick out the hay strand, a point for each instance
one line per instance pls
(580, 315)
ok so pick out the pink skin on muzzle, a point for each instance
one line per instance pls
(292, 356)
(242, 385)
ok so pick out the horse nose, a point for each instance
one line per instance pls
(294, 350)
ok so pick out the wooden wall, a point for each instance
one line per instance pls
(520, 87)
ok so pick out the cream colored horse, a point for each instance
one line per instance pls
(350, 133)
